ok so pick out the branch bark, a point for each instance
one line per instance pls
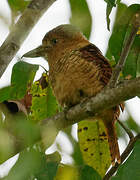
(21, 30)
(106, 99)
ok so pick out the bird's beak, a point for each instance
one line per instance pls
(37, 52)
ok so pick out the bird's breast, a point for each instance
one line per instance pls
(74, 80)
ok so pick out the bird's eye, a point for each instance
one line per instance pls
(54, 41)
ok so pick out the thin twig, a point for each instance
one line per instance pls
(124, 155)
(127, 45)
(130, 134)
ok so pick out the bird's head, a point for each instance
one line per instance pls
(58, 41)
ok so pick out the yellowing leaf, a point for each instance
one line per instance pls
(67, 173)
(44, 104)
(138, 31)
(94, 145)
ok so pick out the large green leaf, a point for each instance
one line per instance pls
(81, 16)
(131, 167)
(121, 31)
(22, 75)
(94, 145)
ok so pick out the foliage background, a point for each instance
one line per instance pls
(99, 37)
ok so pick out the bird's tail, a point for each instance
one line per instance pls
(112, 137)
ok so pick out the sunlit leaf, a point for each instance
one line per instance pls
(81, 16)
(138, 31)
(131, 167)
(94, 145)
(66, 172)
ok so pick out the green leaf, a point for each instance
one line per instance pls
(18, 5)
(44, 103)
(81, 16)
(132, 124)
(94, 145)
(131, 167)
(118, 2)
(110, 5)
(22, 75)
(52, 105)
(121, 31)
(33, 164)
(27, 164)
(88, 173)
(49, 167)
(6, 144)
(5, 93)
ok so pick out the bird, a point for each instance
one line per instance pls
(78, 70)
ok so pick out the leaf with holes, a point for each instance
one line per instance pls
(44, 104)
(94, 145)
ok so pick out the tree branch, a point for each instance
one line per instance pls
(104, 100)
(124, 155)
(21, 30)
(127, 45)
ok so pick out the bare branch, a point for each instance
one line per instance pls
(21, 30)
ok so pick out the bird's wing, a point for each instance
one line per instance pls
(92, 53)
